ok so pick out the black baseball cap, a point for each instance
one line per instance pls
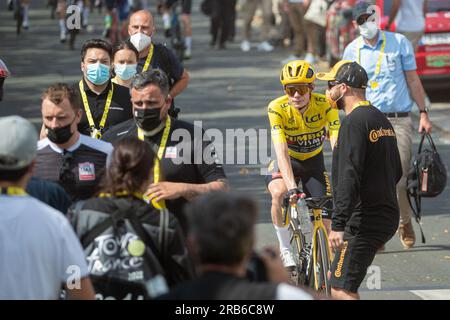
(362, 7)
(348, 72)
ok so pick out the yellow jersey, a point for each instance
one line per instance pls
(304, 134)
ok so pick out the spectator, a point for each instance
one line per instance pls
(141, 30)
(409, 17)
(4, 73)
(39, 251)
(315, 23)
(221, 21)
(249, 10)
(122, 190)
(50, 193)
(221, 237)
(393, 86)
(296, 11)
(71, 159)
(184, 175)
(125, 58)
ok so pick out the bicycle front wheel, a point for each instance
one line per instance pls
(323, 264)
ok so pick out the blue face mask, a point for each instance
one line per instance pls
(97, 73)
(125, 71)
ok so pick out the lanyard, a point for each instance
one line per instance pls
(149, 58)
(361, 103)
(373, 83)
(12, 191)
(157, 166)
(122, 194)
(96, 133)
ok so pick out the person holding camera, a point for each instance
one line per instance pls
(73, 160)
(221, 237)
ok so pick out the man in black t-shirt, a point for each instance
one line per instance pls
(365, 170)
(153, 55)
(188, 167)
(65, 156)
(104, 103)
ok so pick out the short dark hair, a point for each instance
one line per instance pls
(222, 226)
(96, 43)
(156, 77)
(125, 45)
(13, 175)
(131, 165)
(57, 92)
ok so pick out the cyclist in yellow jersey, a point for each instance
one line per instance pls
(300, 121)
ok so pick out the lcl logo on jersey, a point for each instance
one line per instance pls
(314, 118)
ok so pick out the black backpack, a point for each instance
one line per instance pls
(427, 177)
(115, 272)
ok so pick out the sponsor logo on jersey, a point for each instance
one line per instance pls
(375, 135)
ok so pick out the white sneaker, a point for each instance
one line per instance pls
(187, 54)
(287, 258)
(265, 46)
(245, 46)
(310, 58)
(290, 58)
(62, 36)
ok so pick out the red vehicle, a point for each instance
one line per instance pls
(433, 54)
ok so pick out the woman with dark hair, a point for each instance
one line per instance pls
(125, 59)
(127, 241)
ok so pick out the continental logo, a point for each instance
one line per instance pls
(338, 272)
(374, 135)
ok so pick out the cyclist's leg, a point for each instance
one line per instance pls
(316, 183)
(187, 25)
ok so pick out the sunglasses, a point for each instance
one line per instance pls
(332, 84)
(66, 176)
(302, 89)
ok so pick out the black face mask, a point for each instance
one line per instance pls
(59, 135)
(147, 119)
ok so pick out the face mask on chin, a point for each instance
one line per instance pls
(368, 30)
(335, 104)
(140, 41)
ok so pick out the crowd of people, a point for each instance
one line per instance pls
(137, 219)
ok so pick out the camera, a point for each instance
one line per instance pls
(256, 269)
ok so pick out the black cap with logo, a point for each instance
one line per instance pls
(348, 72)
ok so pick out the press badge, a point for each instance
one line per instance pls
(86, 171)
(171, 152)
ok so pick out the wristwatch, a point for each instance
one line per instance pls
(425, 110)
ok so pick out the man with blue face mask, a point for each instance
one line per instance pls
(104, 103)
(393, 87)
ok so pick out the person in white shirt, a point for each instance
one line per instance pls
(39, 251)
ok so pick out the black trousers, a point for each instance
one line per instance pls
(222, 20)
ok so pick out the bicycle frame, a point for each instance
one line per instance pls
(318, 224)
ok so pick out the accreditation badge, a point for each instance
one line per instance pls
(86, 171)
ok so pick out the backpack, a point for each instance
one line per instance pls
(125, 263)
(427, 177)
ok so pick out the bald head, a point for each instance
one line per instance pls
(141, 22)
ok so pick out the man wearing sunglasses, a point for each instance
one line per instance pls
(393, 88)
(300, 121)
(366, 168)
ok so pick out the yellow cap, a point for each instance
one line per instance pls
(331, 76)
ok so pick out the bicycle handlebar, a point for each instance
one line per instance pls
(319, 202)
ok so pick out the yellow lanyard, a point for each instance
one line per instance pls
(13, 191)
(361, 103)
(373, 83)
(96, 133)
(149, 58)
(157, 166)
(122, 194)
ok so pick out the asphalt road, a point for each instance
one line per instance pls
(230, 90)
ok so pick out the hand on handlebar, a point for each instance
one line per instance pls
(293, 195)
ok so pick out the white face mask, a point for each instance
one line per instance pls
(140, 41)
(368, 30)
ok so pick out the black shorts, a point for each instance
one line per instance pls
(186, 5)
(311, 172)
(350, 265)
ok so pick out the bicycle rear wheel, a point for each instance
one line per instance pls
(323, 264)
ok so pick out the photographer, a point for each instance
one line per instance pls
(221, 238)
